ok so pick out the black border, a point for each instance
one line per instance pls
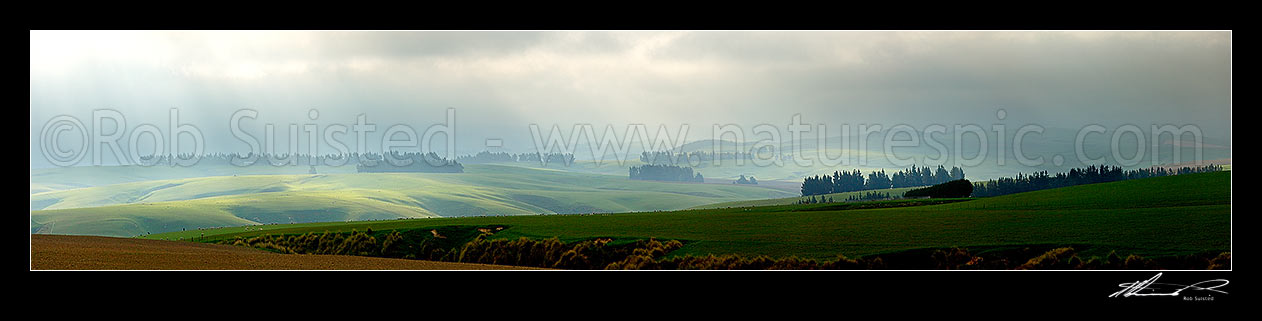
(846, 291)
(1058, 291)
(632, 16)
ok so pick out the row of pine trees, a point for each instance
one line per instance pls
(665, 173)
(1076, 176)
(849, 181)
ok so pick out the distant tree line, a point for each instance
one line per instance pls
(408, 162)
(503, 157)
(843, 181)
(1076, 176)
(813, 200)
(665, 173)
(265, 159)
(913, 176)
(487, 157)
(869, 196)
(746, 181)
(550, 158)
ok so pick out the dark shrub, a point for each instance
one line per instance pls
(953, 189)
(1057, 259)
(1222, 262)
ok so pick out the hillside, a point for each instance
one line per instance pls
(158, 206)
(70, 252)
(1151, 217)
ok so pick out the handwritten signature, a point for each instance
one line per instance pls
(1150, 287)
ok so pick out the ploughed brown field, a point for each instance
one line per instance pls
(72, 252)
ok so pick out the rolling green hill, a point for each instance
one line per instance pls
(156, 206)
(66, 178)
(1150, 217)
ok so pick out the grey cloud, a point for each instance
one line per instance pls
(503, 81)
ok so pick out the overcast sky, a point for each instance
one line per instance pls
(500, 82)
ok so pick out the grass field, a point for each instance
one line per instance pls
(838, 197)
(1150, 217)
(136, 208)
(74, 252)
